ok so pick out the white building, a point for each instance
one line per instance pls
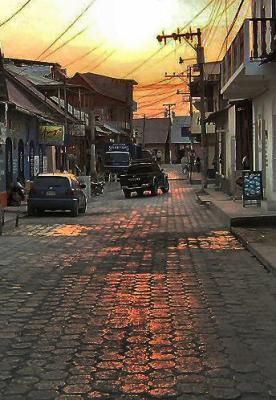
(248, 82)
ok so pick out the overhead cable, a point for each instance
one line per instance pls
(14, 14)
(161, 48)
(83, 56)
(67, 42)
(67, 29)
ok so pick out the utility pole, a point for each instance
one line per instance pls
(144, 128)
(169, 108)
(199, 49)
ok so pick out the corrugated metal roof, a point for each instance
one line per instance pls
(114, 88)
(138, 125)
(156, 129)
(23, 94)
(33, 75)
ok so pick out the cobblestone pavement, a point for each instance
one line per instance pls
(145, 298)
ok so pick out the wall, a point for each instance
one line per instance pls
(21, 129)
(230, 150)
(264, 109)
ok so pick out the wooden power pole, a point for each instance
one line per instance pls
(199, 49)
(169, 109)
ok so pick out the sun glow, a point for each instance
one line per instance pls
(130, 24)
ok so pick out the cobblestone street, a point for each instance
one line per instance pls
(145, 298)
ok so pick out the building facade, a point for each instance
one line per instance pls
(248, 83)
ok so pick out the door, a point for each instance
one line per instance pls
(9, 165)
(274, 153)
(31, 160)
(21, 163)
(40, 158)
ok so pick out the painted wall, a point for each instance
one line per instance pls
(264, 114)
(22, 130)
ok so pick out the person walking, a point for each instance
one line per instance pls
(198, 164)
(184, 165)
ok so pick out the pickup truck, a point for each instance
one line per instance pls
(142, 177)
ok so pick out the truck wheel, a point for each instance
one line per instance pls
(140, 193)
(154, 190)
(166, 187)
(127, 194)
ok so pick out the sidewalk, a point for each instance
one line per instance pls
(11, 215)
(254, 227)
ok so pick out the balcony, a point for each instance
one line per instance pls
(245, 68)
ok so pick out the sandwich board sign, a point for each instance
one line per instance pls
(252, 188)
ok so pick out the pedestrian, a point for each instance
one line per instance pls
(159, 156)
(184, 165)
(198, 164)
(245, 163)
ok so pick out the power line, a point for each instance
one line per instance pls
(153, 83)
(157, 87)
(103, 61)
(214, 28)
(67, 29)
(83, 55)
(14, 14)
(231, 27)
(226, 23)
(161, 48)
(67, 42)
(211, 26)
(157, 101)
(150, 101)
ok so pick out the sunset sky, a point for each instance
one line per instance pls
(115, 37)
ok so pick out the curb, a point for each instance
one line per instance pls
(267, 265)
(233, 222)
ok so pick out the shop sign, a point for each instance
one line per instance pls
(51, 134)
(45, 164)
(36, 165)
(78, 130)
(2, 133)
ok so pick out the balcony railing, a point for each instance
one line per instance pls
(262, 35)
(255, 41)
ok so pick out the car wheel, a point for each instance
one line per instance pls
(75, 210)
(154, 190)
(30, 211)
(83, 209)
(127, 194)
(39, 212)
(166, 187)
(140, 193)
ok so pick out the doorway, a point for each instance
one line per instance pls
(21, 162)
(9, 164)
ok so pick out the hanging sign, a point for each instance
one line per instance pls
(51, 134)
(78, 130)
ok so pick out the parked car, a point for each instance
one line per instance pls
(57, 191)
(143, 177)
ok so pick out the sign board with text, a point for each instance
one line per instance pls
(52, 135)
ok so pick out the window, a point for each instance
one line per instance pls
(51, 181)
(141, 169)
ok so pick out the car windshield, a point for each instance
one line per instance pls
(140, 169)
(51, 181)
(117, 157)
